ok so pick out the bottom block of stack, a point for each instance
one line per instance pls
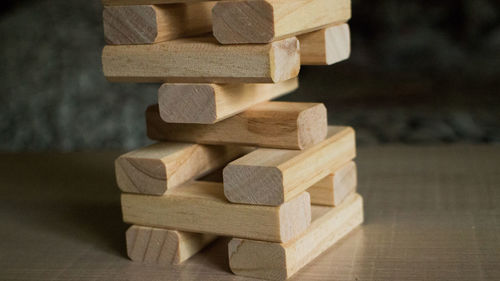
(279, 261)
(165, 247)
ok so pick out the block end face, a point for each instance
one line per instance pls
(337, 43)
(243, 22)
(312, 126)
(257, 259)
(295, 217)
(255, 185)
(187, 103)
(345, 182)
(285, 59)
(134, 24)
(143, 176)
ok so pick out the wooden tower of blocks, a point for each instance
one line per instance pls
(288, 186)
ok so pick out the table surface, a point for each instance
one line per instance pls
(431, 213)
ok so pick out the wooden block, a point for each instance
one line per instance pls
(334, 188)
(146, 24)
(202, 60)
(161, 166)
(165, 247)
(275, 261)
(210, 103)
(146, 2)
(263, 21)
(200, 207)
(326, 46)
(330, 191)
(291, 125)
(273, 176)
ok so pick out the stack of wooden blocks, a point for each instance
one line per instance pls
(288, 186)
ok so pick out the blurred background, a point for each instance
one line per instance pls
(420, 72)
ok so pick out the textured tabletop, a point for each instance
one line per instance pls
(431, 213)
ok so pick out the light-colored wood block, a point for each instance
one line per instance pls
(202, 60)
(146, 24)
(334, 188)
(201, 207)
(273, 176)
(325, 46)
(263, 21)
(147, 2)
(210, 103)
(290, 125)
(164, 247)
(275, 261)
(156, 168)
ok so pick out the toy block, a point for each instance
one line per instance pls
(334, 188)
(202, 60)
(279, 261)
(146, 24)
(290, 125)
(156, 168)
(211, 103)
(201, 207)
(164, 247)
(325, 46)
(274, 176)
(330, 191)
(264, 21)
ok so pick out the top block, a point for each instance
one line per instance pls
(147, 24)
(202, 60)
(264, 21)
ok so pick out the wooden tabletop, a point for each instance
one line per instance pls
(431, 213)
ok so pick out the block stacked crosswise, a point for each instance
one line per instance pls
(287, 189)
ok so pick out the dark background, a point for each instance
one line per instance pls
(421, 72)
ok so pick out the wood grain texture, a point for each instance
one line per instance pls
(273, 176)
(290, 125)
(202, 208)
(147, 24)
(156, 168)
(263, 21)
(147, 2)
(150, 245)
(279, 261)
(325, 46)
(334, 188)
(202, 60)
(210, 103)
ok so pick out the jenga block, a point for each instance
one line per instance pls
(200, 207)
(210, 103)
(325, 46)
(334, 188)
(202, 60)
(263, 21)
(146, 2)
(160, 246)
(330, 191)
(290, 125)
(146, 24)
(158, 167)
(273, 176)
(275, 261)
